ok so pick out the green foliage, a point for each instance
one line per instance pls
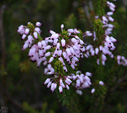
(44, 107)
(28, 108)
(58, 66)
(120, 108)
(100, 7)
(69, 99)
(98, 97)
(70, 22)
(98, 27)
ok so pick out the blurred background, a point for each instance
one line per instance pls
(21, 82)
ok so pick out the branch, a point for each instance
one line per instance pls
(18, 104)
(2, 35)
(2, 47)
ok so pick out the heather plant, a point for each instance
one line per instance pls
(80, 61)
(60, 53)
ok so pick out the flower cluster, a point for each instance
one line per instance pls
(29, 32)
(81, 81)
(60, 53)
(68, 47)
(106, 46)
(62, 82)
(121, 60)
